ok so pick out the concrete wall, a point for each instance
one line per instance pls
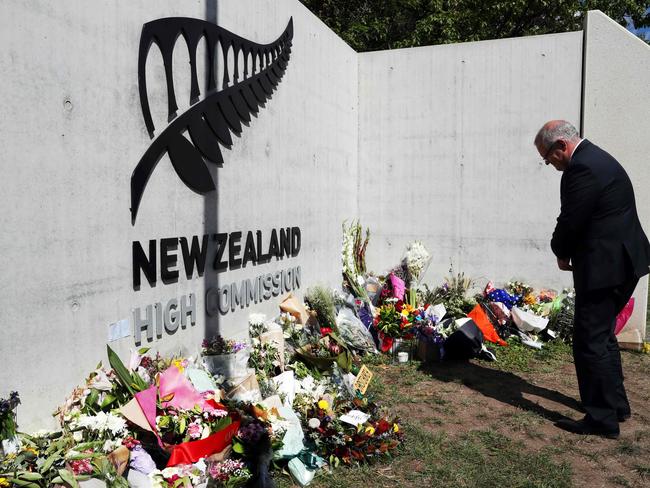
(72, 132)
(430, 143)
(446, 154)
(615, 116)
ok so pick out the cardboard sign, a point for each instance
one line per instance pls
(363, 380)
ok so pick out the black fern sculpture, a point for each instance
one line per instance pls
(220, 112)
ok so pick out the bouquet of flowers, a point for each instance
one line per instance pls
(321, 301)
(225, 357)
(341, 442)
(224, 474)
(176, 425)
(453, 294)
(8, 416)
(416, 260)
(228, 474)
(353, 255)
(325, 352)
(180, 476)
(218, 345)
(393, 320)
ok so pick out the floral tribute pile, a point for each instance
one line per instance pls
(288, 395)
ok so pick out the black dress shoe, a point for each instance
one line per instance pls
(623, 416)
(583, 427)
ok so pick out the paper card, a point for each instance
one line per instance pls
(439, 311)
(273, 402)
(532, 343)
(119, 330)
(354, 417)
(363, 379)
(200, 379)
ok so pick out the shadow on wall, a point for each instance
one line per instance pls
(647, 320)
(211, 204)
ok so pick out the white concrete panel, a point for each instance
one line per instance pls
(615, 116)
(446, 153)
(72, 132)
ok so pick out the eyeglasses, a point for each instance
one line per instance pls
(551, 148)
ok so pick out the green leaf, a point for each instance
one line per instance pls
(182, 424)
(19, 482)
(92, 397)
(143, 350)
(29, 476)
(68, 477)
(123, 375)
(50, 461)
(108, 399)
(238, 447)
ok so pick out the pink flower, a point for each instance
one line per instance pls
(194, 430)
(398, 286)
(81, 466)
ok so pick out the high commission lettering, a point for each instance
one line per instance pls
(219, 252)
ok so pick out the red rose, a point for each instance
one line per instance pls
(382, 426)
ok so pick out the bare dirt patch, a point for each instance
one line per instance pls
(458, 398)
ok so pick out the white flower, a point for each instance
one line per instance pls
(169, 472)
(41, 433)
(417, 258)
(101, 422)
(115, 424)
(313, 423)
(100, 381)
(110, 445)
(78, 436)
(144, 374)
(256, 319)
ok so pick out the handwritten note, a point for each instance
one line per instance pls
(363, 380)
(354, 417)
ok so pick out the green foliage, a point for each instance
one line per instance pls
(369, 25)
(131, 381)
(321, 301)
(453, 294)
(561, 316)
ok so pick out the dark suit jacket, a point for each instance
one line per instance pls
(598, 227)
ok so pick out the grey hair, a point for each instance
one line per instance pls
(550, 133)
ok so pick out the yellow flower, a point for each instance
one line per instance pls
(4, 483)
(32, 450)
(530, 299)
(646, 347)
(179, 364)
(370, 430)
(323, 405)
(395, 428)
(407, 309)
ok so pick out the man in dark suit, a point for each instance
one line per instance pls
(598, 236)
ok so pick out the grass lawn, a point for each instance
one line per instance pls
(479, 424)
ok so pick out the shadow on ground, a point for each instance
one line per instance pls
(502, 386)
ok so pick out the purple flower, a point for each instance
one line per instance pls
(141, 461)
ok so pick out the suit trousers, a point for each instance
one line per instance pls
(596, 354)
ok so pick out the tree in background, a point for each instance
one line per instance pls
(369, 25)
